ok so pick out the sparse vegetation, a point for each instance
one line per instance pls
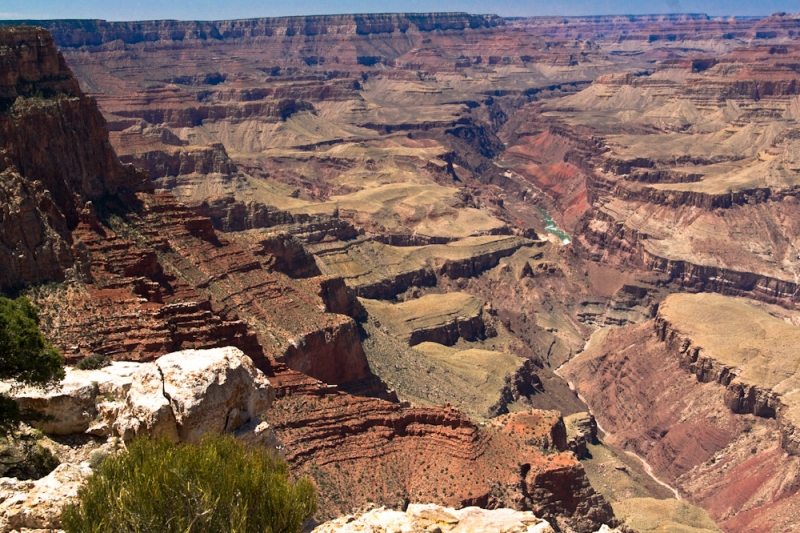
(217, 485)
(25, 356)
(25, 458)
(93, 362)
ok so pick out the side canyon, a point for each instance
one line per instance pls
(548, 264)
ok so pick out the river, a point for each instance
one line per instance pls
(550, 226)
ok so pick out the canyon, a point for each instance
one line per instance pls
(478, 261)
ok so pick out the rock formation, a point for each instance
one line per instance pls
(421, 517)
(182, 395)
(718, 408)
(36, 505)
(341, 441)
(386, 213)
(151, 276)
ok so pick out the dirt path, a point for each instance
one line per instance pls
(647, 467)
(649, 470)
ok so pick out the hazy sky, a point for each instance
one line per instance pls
(230, 9)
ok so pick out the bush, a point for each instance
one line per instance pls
(25, 356)
(24, 458)
(217, 485)
(94, 361)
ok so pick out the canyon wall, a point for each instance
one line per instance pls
(703, 394)
(150, 275)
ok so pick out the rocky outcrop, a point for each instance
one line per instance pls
(182, 395)
(165, 157)
(339, 298)
(468, 328)
(34, 236)
(287, 255)
(77, 159)
(439, 318)
(31, 65)
(705, 401)
(211, 391)
(36, 505)
(55, 157)
(72, 406)
(543, 429)
(480, 260)
(339, 439)
(227, 214)
(581, 430)
(333, 355)
(555, 490)
(422, 517)
(631, 304)
(132, 308)
(524, 382)
(396, 283)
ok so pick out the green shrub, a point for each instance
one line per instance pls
(25, 356)
(24, 458)
(218, 485)
(94, 361)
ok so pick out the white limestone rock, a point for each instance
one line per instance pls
(432, 518)
(428, 518)
(146, 410)
(37, 504)
(71, 405)
(182, 395)
(213, 390)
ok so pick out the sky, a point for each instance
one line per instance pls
(233, 9)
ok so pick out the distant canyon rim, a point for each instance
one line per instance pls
(546, 263)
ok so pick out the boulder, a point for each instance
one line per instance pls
(37, 504)
(213, 390)
(182, 395)
(146, 408)
(431, 517)
(71, 407)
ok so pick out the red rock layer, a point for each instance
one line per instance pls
(647, 401)
(361, 450)
(183, 287)
(57, 136)
(555, 162)
(149, 275)
(55, 156)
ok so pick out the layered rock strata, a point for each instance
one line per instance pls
(46, 182)
(379, 271)
(340, 441)
(724, 422)
(153, 276)
(439, 318)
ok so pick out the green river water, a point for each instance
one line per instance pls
(550, 226)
